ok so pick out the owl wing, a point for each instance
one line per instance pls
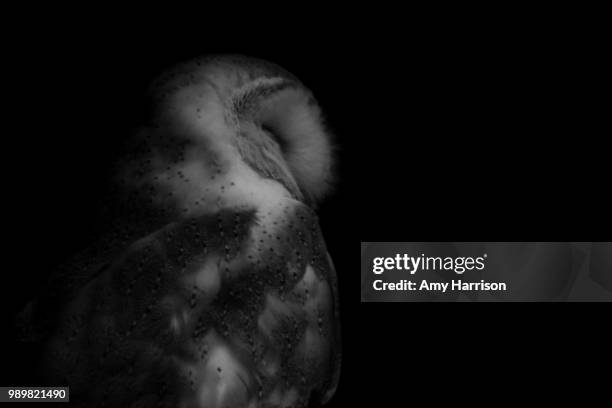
(203, 312)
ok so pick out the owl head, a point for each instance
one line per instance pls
(229, 131)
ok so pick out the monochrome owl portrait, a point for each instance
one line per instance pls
(210, 285)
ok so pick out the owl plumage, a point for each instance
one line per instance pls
(211, 285)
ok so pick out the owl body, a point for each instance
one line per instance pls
(212, 286)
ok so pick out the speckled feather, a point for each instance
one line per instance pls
(212, 285)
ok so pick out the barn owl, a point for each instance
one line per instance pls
(211, 285)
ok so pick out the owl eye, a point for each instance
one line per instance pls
(282, 143)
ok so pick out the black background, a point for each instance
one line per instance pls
(458, 134)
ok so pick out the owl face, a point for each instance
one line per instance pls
(230, 133)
